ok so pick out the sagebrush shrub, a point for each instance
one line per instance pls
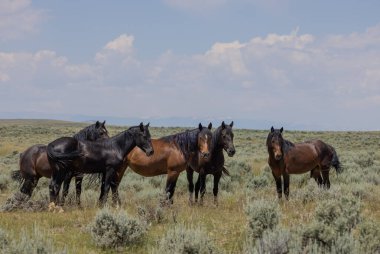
(3, 239)
(345, 244)
(333, 218)
(114, 230)
(369, 236)
(181, 239)
(261, 215)
(272, 241)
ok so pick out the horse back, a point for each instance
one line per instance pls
(301, 158)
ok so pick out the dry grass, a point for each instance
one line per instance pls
(225, 224)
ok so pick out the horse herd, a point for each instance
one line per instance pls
(91, 151)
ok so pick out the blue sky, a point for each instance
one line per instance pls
(299, 64)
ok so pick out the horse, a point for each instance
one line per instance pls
(287, 158)
(172, 154)
(34, 163)
(67, 156)
(222, 139)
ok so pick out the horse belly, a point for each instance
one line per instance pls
(151, 169)
(300, 164)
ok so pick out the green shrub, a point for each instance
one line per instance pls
(364, 159)
(115, 230)
(185, 240)
(4, 182)
(276, 241)
(333, 218)
(345, 244)
(262, 215)
(369, 236)
(259, 181)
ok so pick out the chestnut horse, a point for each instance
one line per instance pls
(287, 158)
(34, 163)
(172, 154)
(222, 139)
(67, 155)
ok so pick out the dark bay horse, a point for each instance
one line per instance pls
(67, 155)
(222, 139)
(172, 154)
(34, 162)
(287, 158)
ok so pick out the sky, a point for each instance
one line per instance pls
(300, 64)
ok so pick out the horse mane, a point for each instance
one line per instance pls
(215, 139)
(86, 133)
(186, 141)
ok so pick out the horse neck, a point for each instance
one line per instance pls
(215, 144)
(83, 134)
(187, 141)
(286, 146)
(125, 142)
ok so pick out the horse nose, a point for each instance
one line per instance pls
(150, 152)
(278, 156)
(231, 152)
(205, 155)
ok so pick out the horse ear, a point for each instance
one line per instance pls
(209, 126)
(281, 129)
(200, 126)
(104, 122)
(223, 125)
(147, 125)
(97, 124)
(141, 126)
(232, 124)
(272, 129)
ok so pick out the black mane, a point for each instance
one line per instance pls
(187, 141)
(87, 133)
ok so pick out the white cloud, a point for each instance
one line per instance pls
(294, 77)
(18, 19)
(122, 44)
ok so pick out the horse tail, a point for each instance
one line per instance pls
(225, 171)
(335, 161)
(69, 156)
(16, 176)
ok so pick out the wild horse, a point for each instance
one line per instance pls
(67, 155)
(287, 158)
(222, 138)
(171, 156)
(34, 162)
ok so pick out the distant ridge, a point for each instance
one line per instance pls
(257, 124)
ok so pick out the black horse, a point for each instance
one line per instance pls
(34, 162)
(70, 156)
(222, 138)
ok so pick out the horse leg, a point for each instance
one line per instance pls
(189, 174)
(55, 184)
(66, 186)
(29, 184)
(277, 179)
(286, 185)
(106, 185)
(170, 185)
(326, 180)
(316, 174)
(78, 187)
(215, 190)
(197, 187)
(202, 177)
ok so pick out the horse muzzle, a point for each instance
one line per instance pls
(231, 152)
(149, 152)
(278, 157)
(205, 155)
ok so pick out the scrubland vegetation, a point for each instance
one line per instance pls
(248, 219)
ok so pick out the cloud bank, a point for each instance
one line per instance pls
(322, 83)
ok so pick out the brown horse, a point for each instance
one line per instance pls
(287, 158)
(171, 156)
(222, 139)
(34, 162)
